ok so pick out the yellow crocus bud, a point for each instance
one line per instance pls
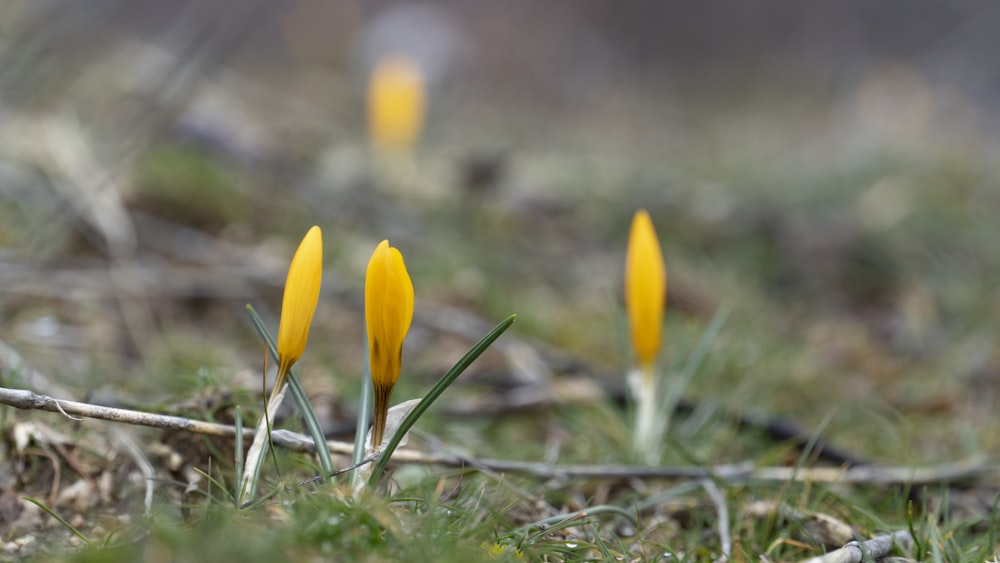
(645, 290)
(299, 302)
(388, 313)
(395, 103)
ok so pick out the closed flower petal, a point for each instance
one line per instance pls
(299, 302)
(645, 289)
(388, 313)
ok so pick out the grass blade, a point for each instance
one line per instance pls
(560, 521)
(694, 361)
(308, 415)
(436, 392)
(259, 449)
(61, 520)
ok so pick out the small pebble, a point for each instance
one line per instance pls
(24, 541)
(77, 521)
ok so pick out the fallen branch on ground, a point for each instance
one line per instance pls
(737, 472)
(875, 548)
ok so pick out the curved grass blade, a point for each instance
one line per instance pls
(61, 520)
(308, 415)
(211, 481)
(436, 392)
(560, 521)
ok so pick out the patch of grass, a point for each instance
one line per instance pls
(182, 183)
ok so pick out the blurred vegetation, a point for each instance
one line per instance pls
(186, 185)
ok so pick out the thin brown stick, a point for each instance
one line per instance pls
(737, 472)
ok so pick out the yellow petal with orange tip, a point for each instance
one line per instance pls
(645, 289)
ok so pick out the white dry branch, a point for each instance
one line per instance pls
(258, 449)
(28, 400)
(737, 472)
(722, 512)
(873, 549)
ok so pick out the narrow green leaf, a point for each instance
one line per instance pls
(211, 481)
(436, 392)
(694, 361)
(560, 521)
(308, 415)
(61, 520)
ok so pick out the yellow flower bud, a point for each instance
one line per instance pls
(645, 290)
(395, 103)
(299, 302)
(388, 313)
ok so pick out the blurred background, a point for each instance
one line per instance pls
(826, 170)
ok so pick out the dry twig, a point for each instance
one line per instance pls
(855, 552)
(737, 472)
(722, 512)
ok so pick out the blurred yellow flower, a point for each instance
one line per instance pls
(645, 290)
(299, 302)
(388, 313)
(395, 103)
